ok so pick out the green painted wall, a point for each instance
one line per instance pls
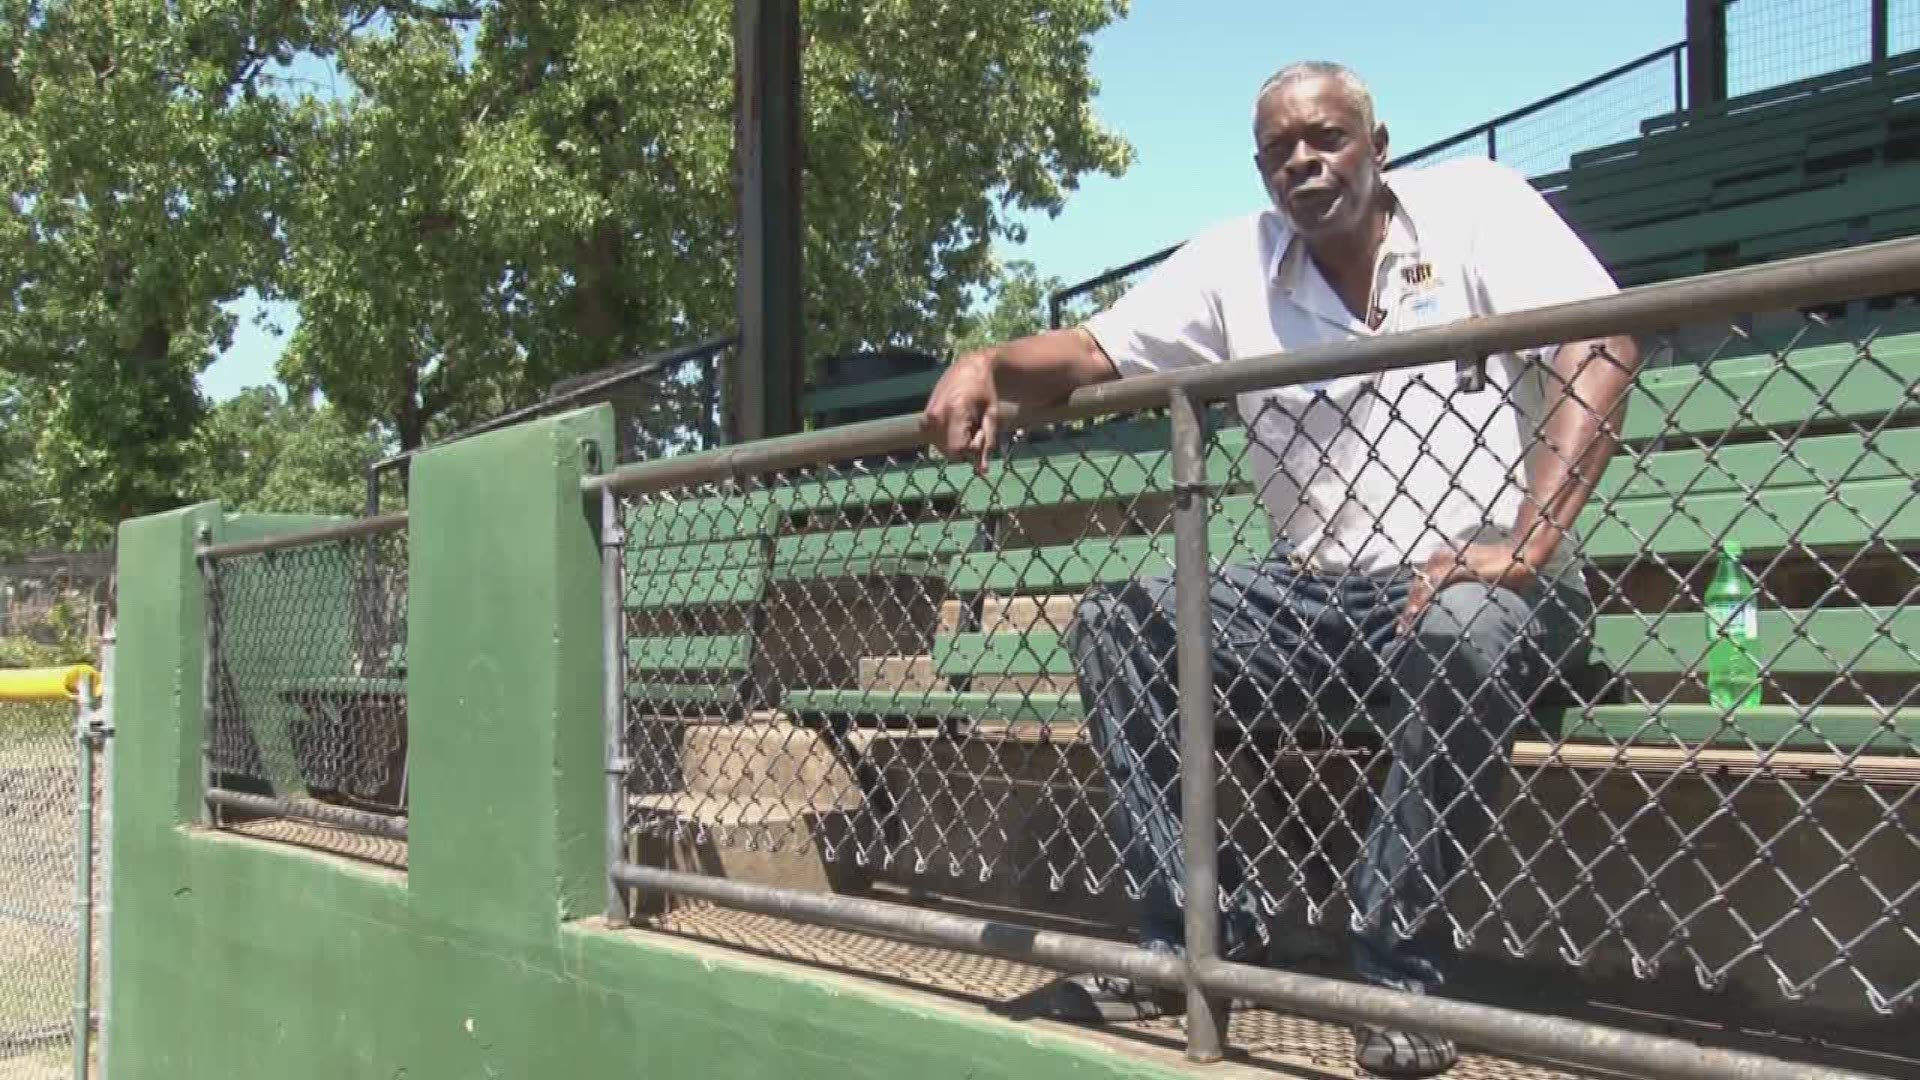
(239, 958)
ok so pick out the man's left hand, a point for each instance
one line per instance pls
(1497, 565)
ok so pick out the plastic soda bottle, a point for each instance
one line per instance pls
(1733, 628)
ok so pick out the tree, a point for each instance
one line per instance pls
(1018, 307)
(144, 157)
(514, 193)
(267, 453)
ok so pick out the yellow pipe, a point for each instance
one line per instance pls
(47, 684)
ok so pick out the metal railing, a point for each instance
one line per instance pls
(306, 692)
(53, 733)
(1066, 676)
(666, 403)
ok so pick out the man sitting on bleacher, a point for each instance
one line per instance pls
(1419, 524)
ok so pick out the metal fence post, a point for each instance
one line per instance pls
(104, 730)
(83, 746)
(613, 701)
(1206, 1017)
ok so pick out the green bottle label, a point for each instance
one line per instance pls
(1737, 619)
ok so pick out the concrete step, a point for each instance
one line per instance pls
(763, 757)
(770, 842)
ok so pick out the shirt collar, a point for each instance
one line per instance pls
(1287, 260)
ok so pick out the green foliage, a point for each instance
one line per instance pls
(534, 191)
(61, 639)
(1018, 308)
(264, 453)
(467, 200)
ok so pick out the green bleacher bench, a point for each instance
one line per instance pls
(1813, 166)
(697, 570)
(1703, 450)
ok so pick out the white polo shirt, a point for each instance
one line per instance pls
(1374, 473)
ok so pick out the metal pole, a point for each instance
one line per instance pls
(613, 701)
(209, 644)
(83, 743)
(1485, 1027)
(105, 730)
(1206, 1016)
(1679, 81)
(1706, 52)
(766, 44)
(1877, 19)
(390, 826)
(1888, 266)
(1493, 143)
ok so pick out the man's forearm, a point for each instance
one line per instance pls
(1045, 368)
(1577, 440)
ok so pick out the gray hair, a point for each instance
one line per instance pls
(1320, 69)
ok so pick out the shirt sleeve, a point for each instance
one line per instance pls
(1170, 320)
(1524, 254)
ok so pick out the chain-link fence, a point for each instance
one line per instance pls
(306, 678)
(1249, 650)
(51, 797)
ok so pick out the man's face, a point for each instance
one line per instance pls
(1319, 162)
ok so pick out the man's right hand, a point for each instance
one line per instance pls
(962, 418)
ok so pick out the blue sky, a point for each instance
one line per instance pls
(1177, 79)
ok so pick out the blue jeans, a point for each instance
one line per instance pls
(1447, 696)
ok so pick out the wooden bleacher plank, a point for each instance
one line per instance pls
(1828, 381)
(1863, 639)
(1779, 727)
(1886, 510)
(1097, 476)
(696, 588)
(723, 652)
(850, 490)
(1773, 463)
(852, 552)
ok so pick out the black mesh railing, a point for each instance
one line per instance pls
(1140, 660)
(306, 671)
(666, 403)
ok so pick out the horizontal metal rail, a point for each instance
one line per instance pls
(1479, 131)
(391, 826)
(1869, 270)
(346, 530)
(1501, 1030)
